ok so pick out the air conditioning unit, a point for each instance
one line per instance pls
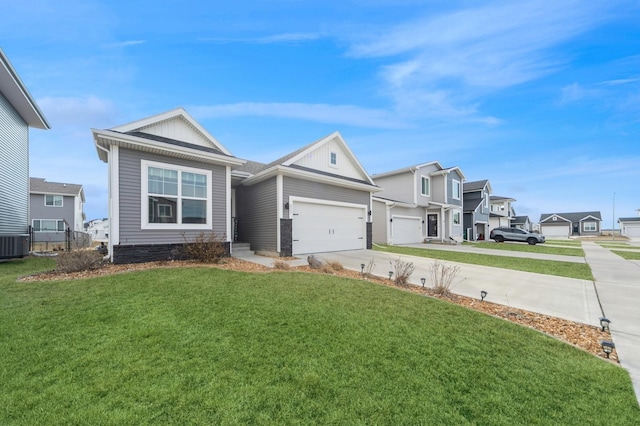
(13, 246)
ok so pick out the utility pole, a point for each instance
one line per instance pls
(613, 219)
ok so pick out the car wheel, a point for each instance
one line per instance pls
(532, 241)
(499, 239)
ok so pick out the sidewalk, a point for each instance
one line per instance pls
(618, 285)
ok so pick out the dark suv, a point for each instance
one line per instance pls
(514, 234)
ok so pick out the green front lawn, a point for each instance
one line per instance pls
(619, 245)
(575, 243)
(548, 267)
(524, 247)
(629, 255)
(208, 346)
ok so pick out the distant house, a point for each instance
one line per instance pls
(521, 222)
(501, 212)
(98, 229)
(418, 203)
(630, 226)
(18, 112)
(476, 196)
(564, 225)
(55, 207)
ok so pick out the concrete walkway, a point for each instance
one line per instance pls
(618, 285)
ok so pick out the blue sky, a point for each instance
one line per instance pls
(542, 98)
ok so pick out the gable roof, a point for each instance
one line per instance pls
(14, 90)
(519, 220)
(409, 169)
(498, 198)
(471, 205)
(287, 165)
(476, 185)
(173, 133)
(571, 217)
(41, 186)
(629, 219)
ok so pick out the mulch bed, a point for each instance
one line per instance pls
(583, 336)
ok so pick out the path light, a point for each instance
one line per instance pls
(604, 323)
(362, 268)
(423, 280)
(483, 294)
(607, 347)
(390, 274)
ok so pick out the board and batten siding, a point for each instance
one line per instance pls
(322, 191)
(129, 182)
(257, 214)
(14, 171)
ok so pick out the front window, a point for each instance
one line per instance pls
(48, 225)
(456, 189)
(425, 186)
(589, 226)
(53, 200)
(176, 197)
(456, 218)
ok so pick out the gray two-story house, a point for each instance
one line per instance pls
(18, 112)
(476, 208)
(418, 203)
(54, 208)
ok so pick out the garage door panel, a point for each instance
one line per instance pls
(555, 231)
(632, 231)
(406, 230)
(319, 227)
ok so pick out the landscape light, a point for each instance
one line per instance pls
(604, 323)
(423, 280)
(362, 268)
(607, 347)
(390, 274)
(483, 294)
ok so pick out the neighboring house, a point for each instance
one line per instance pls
(564, 225)
(315, 199)
(169, 181)
(53, 208)
(521, 222)
(501, 212)
(18, 112)
(418, 203)
(98, 229)
(630, 226)
(476, 197)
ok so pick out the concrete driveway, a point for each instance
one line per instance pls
(568, 298)
(618, 286)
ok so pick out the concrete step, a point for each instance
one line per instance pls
(241, 248)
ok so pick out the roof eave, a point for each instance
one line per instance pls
(307, 175)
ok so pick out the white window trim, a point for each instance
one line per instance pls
(584, 226)
(54, 200)
(144, 197)
(52, 220)
(428, 194)
(456, 183)
(332, 154)
(453, 218)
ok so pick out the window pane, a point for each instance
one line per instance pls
(194, 211)
(194, 185)
(60, 225)
(36, 225)
(162, 210)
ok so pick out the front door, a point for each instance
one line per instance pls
(576, 229)
(432, 227)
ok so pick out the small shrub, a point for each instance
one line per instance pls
(442, 276)
(336, 266)
(78, 260)
(403, 271)
(281, 265)
(206, 247)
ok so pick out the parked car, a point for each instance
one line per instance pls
(515, 234)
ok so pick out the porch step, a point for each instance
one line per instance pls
(238, 249)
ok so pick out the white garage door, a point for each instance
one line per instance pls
(555, 231)
(320, 226)
(632, 231)
(406, 229)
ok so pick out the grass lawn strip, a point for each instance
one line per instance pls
(548, 267)
(538, 248)
(620, 246)
(576, 243)
(204, 345)
(629, 255)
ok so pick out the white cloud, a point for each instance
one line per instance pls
(269, 39)
(125, 43)
(475, 51)
(349, 115)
